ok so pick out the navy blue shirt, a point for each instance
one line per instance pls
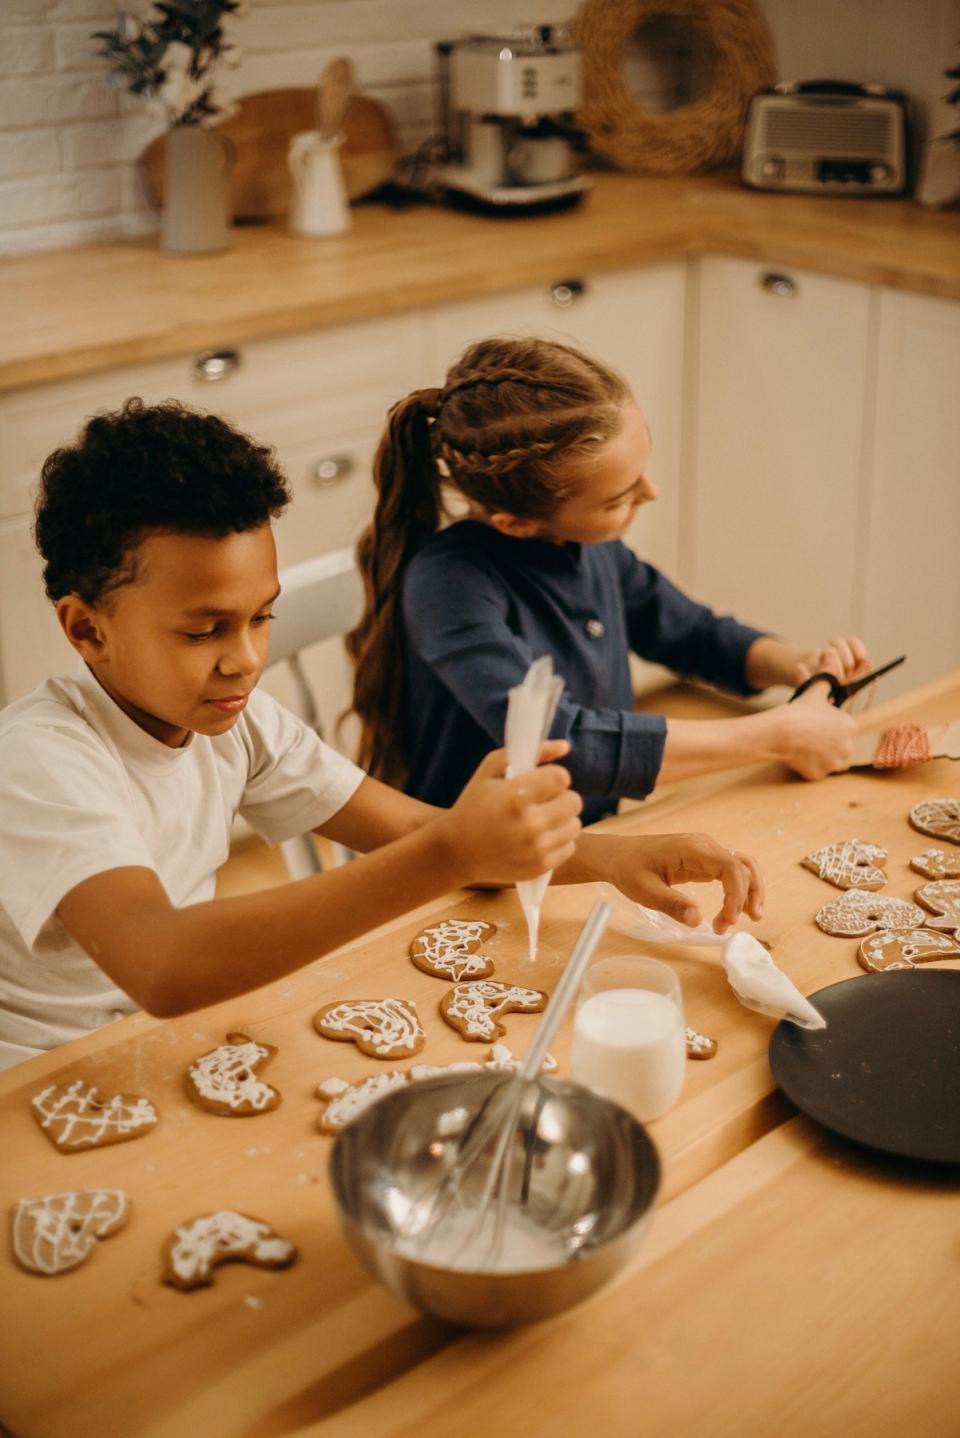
(480, 607)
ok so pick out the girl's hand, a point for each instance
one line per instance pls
(844, 658)
(814, 737)
(647, 866)
(502, 830)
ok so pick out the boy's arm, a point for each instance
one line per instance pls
(376, 814)
(171, 960)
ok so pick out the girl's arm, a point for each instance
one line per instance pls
(774, 661)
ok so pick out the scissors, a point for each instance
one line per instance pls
(840, 693)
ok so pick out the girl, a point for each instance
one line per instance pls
(547, 452)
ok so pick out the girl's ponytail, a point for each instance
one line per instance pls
(408, 509)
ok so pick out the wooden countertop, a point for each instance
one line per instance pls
(740, 1293)
(71, 312)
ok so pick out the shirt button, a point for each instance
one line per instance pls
(595, 628)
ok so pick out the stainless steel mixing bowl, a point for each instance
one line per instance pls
(582, 1178)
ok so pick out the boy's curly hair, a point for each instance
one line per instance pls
(146, 468)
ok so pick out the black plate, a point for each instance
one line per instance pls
(886, 1069)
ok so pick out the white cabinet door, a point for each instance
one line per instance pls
(771, 516)
(632, 320)
(910, 596)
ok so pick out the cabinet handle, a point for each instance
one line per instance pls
(566, 292)
(331, 469)
(212, 365)
(781, 285)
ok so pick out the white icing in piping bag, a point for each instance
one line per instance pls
(530, 709)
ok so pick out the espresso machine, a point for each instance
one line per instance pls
(508, 132)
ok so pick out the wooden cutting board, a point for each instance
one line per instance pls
(260, 132)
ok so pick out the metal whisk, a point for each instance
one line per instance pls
(496, 1121)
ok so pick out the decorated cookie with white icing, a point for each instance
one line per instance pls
(698, 1045)
(939, 817)
(904, 949)
(196, 1248)
(73, 1116)
(849, 864)
(942, 898)
(225, 1081)
(382, 1028)
(450, 950)
(475, 1009)
(937, 864)
(858, 912)
(58, 1232)
(345, 1101)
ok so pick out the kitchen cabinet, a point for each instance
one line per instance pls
(908, 575)
(772, 508)
(824, 429)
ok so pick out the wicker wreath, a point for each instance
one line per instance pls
(694, 137)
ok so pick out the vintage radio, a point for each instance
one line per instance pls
(827, 137)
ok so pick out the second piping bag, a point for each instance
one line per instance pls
(531, 706)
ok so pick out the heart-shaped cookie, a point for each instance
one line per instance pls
(904, 949)
(849, 864)
(59, 1231)
(859, 912)
(73, 1117)
(382, 1028)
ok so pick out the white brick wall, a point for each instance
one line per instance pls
(69, 144)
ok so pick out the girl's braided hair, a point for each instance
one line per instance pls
(499, 431)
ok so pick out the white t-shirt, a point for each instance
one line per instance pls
(84, 789)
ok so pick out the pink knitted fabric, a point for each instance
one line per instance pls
(903, 747)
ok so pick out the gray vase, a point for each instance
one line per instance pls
(195, 213)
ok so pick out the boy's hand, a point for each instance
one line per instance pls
(645, 868)
(844, 658)
(501, 830)
(815, 738)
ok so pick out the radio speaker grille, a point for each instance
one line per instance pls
(842, 132)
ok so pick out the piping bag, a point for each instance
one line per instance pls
(753, 976)
(531, 706)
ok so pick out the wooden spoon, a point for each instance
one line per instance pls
(333, 96)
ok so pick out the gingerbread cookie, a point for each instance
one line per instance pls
(859, 912)
(474, 1009)
(225, 1082)
(450, 950)
(939, 817)
(942, 898)
(59, 1231)
(73, 1117)
(904, 949)
(196, 1248)
(849, 864)
(937, 864)
(382, 1028)
(345, 1101)
(501, 1060)
(698, 1045)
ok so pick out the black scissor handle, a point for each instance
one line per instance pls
(838, 691)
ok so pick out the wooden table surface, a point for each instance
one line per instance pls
(789, 1283)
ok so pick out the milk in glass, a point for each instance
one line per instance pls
(629, 1045)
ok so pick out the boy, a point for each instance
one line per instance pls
(119, 786)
